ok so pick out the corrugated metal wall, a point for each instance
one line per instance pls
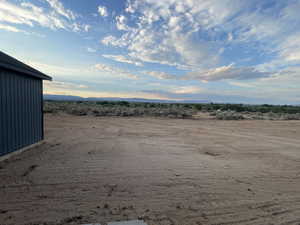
(21, 119)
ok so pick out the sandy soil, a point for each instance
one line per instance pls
(165, 171)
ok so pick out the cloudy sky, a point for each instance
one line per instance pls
(213, 50)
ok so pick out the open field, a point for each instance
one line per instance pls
(165, 171)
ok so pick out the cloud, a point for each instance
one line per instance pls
(54, 70)
(255, 95)
(91, 50)
(187, 90)
(17, 30)
(115, 72)
(228, 72)
(83, 73)
(86, 27)
(102, 94)
(204, 35)
(124, 59)
(111, 40)
(221, 73)
(205, 96)
(60, 9)
(160, 75)
(9, 28)
(102, 10)
(121, 23)
(63, 85)
(55, 17)
(241, 84)
(168, 32)
(289, 50)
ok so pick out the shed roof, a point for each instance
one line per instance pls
(11, 63)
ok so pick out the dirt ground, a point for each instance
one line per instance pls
(165, 171)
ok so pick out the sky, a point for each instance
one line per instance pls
(211, 50)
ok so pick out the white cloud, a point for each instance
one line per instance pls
(115, 72)
(289, 49)
(220, 73)
(102, 10)
(101, 94)
(124, 59)
(121, 23)
(92, 73)
(241, 84)
(167, 32)
(111, 40)
(91, 50)
(228, 72)
(63, 85)
(193, 35)
(56, 17)
(56, 70)
(105, 68)
(9, 28)
(60, 9)
(187, 90)
(17, 30)
(160, 75)
(86, 27)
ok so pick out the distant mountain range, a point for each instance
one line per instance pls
(78, 98)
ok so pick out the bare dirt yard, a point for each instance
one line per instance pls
(164, 171)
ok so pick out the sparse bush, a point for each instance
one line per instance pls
(228, 115)
(173, 110)
(290, 116)
(123, 109)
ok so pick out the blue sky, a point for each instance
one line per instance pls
(221, 51)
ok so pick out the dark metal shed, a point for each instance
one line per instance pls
(21, 104)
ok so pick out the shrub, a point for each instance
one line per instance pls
(229, 115)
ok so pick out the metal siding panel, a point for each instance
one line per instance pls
(39, 121)
(41, 106)
(34, 119)
(32, 110)
(11, 116)
(26, 115)
(2, 118)
(38, 100)
(6, 83)
(6, 112)
(4, 131)
(26, 118)
(9, 113)
(13, 112)
(20, 111)
(21, 114)
(15, 107)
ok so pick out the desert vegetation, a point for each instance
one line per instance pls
(174, 110)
